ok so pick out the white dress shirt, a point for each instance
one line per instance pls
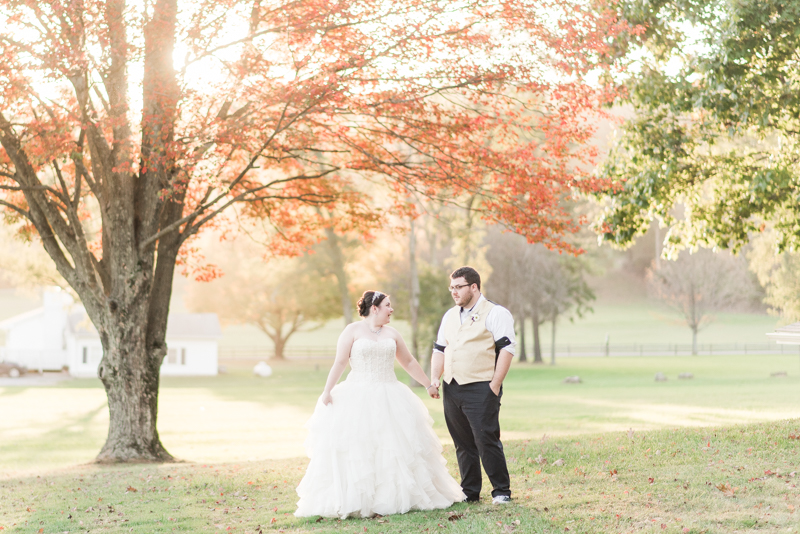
(499, 322)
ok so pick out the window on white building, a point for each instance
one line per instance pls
(176, 356)
(85, 356)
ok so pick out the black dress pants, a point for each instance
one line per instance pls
(472, 412)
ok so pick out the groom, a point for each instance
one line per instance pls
(473, 352)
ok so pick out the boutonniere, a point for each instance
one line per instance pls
(474, 317)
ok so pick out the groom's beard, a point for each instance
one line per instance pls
(463, 301)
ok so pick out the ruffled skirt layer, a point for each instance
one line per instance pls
(373, 451)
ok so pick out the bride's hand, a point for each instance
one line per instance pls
(326, 399)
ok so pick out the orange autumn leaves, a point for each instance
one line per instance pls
(282, 107)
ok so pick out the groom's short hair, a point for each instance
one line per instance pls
(469, 274)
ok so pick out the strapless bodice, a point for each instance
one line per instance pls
(372, 361)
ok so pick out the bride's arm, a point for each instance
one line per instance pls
(343, 347)
(410, 364)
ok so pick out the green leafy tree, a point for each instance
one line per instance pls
(779, 274)
(716, 129)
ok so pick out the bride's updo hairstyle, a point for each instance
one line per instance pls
(369, 299)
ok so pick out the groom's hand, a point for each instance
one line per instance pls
(495, 388)
(433, 390)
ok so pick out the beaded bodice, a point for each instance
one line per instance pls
(372, 361)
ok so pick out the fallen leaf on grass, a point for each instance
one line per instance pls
(726, 489)
(794, 436)
(651, 480)
(559, 462)
(791, 508)
(454, 517)
(131, 489)
(613, 472)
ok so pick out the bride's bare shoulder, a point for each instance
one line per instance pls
(393, 331)
(351, 330)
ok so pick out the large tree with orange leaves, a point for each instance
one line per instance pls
(127, 128)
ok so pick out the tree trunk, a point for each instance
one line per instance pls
(523, 357)
(466, 255)
(693, 322)
(553, 340)
(414, 296)
(337, 260)
(280, 345)
(130, 369)
(537, 348)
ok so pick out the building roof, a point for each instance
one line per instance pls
(182, 325)
(788, 334)
(21, 318)
(179, 325)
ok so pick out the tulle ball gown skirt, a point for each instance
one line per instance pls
(373, 451)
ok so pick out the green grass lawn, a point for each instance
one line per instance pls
(238, 417)
(728, 479)
(629, 323)
(241, 439)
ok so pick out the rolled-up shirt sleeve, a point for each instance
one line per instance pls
(500, 323)
(441, 342)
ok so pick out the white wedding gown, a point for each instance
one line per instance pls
(373, 449)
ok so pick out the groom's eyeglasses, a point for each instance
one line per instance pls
(456, 288)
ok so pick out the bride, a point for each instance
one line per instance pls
(371, 442)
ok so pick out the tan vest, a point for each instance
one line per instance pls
(469, 354)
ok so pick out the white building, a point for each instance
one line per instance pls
(59, 335)
(786, 335)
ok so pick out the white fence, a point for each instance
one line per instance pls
(666, 349)
(567, 349)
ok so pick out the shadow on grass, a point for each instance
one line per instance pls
(67, 443)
